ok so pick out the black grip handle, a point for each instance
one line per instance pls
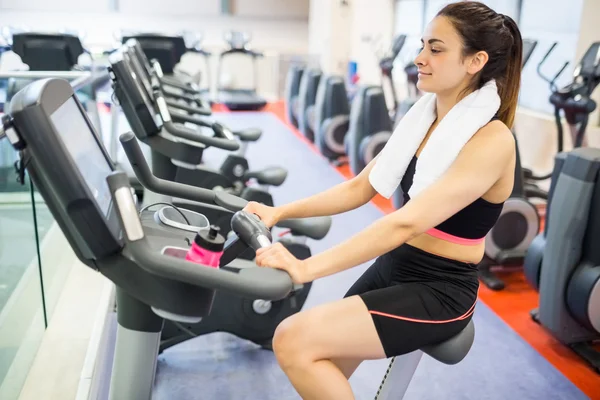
(148, 180)
(190, 109)
(195, 136)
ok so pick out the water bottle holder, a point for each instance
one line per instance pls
(171, 217)
(207, 297)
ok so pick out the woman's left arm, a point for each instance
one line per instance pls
(477, 168)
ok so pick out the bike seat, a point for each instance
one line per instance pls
(453, 350)
(314, 228)
(249, 134)
(274, 176)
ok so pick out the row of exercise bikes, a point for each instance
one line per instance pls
(568, 277)
(172, 119)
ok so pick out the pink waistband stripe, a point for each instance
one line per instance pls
(424, 321)
(453, 239)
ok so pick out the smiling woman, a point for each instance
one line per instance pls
(423, 286)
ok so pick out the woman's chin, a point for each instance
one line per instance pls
(424, 87)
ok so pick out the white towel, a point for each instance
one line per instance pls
(443, 146)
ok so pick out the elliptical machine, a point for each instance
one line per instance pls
(580, 108)
(307, 98)
(292, 91)
(519, 222)
(558, 97)
(332, 117)
(564, 263)
(371, 122)
(512, 239)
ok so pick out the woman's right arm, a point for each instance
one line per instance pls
(343, 197)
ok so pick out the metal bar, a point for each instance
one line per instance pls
(43, 74)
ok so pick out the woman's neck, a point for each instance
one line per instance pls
(448, 99)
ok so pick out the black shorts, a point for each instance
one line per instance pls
(417, 298)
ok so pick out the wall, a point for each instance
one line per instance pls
(371, 37)
(329, 37)
(284, 33)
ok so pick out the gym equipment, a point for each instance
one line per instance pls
(292, 90)
(306, 102)
(371, 120)
(569, 280)
(168, 51)
(96, 211)
(52, 52)
(55, 52)
(239, 99)
(518, 224)
(188, 151)
(177, 150)
(183, 96)
(72, 179)
(573, 100)
(579, 109)
(386, 64)
(402, 368)
(369, 129)
(332, 117)
(532, 264)
(250, 319)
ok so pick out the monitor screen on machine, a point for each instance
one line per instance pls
(85, 151)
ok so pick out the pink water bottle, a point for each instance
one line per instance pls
(207, 247)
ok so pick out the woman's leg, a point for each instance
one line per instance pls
(305, 344)
(347, 365)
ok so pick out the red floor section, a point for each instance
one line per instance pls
(512, 305)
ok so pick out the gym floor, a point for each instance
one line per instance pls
(512, 356)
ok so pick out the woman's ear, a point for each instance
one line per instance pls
(477, 62)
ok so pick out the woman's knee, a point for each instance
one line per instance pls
(290, 342)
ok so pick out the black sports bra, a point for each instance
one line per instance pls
(472, 222)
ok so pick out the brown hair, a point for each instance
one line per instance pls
(483, 29)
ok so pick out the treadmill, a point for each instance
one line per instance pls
(239, 99)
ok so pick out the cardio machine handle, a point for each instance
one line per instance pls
(219, 129)
(263, 283)
(190, 134)
(543, 60)
(148, 180)
(185, 107)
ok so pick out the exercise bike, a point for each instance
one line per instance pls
(253, 319)
(176, 149)
(165, 53)
(235, 168)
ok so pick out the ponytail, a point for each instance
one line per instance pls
(509, 84)
(483, 29)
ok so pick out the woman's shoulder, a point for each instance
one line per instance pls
(495, 133)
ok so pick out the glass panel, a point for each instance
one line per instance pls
(22, 316)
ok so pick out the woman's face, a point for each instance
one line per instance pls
(442, 67)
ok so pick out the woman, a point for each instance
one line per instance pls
(423, 285)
